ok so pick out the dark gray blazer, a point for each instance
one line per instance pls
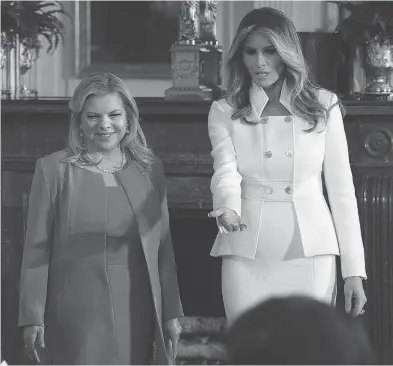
(46, 258)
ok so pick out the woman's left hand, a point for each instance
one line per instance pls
(353, 290)
(172, 331)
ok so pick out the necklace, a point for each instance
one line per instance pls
(109, 171)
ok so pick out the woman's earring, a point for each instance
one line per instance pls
(83, 138)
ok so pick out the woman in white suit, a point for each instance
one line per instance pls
(272, 137)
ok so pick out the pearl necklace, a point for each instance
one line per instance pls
(111, 171)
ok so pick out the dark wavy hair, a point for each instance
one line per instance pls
(282, 33)
(298, 330)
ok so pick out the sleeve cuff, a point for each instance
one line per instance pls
(233, 203)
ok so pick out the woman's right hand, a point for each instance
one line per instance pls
(229, 219)
(31, 334)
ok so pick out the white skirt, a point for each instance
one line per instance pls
(279, 269)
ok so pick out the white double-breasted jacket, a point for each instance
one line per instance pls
(239, 181)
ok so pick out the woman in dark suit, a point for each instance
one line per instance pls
(98, 269)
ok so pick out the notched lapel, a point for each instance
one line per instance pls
(145, 202)
(259, 100)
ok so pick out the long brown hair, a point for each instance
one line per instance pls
(282, 33)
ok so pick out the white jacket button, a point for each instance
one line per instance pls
(268, 154)
(289, 153)
(288, 119)
(288, 190)
(264, 120)
(269, 190)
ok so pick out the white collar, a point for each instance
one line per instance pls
(259, 99)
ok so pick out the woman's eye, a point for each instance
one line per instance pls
(250, 52)
(92, 117)
(271, 51)
(115, 115)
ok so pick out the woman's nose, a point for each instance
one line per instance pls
(105, 122)
(261, 60)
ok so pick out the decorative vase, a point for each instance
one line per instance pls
(378, 66)
(11, 71)
(14, 66)
(26, 62)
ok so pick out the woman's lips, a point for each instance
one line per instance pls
(261, 74)
(105, 135)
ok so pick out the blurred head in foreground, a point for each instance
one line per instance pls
(298, 330)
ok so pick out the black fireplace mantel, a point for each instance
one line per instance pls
(159, 106)
(177, 131)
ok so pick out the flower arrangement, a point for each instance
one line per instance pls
(367, 21)
(31, 19)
